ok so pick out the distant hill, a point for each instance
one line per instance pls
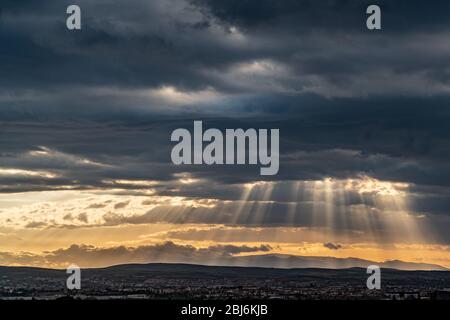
(281, 261)
(140, 272)
(289, 261)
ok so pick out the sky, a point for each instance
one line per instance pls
(86, 117)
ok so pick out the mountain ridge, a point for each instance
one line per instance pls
(281, 261)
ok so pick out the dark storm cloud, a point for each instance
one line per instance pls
(339, 138)
(127, 46)
(304, 15)
(145, 44)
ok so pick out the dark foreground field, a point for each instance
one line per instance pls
(184, 281)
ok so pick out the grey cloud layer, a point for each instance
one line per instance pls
(321, 48)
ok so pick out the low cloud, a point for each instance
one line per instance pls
(35, 224)
(121, 205)
(332, 246)
(96, 206)
(168, 252)
(83, 217)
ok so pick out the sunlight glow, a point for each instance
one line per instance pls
(368, 185)
(28, 173)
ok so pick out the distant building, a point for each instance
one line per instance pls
(403, 295)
